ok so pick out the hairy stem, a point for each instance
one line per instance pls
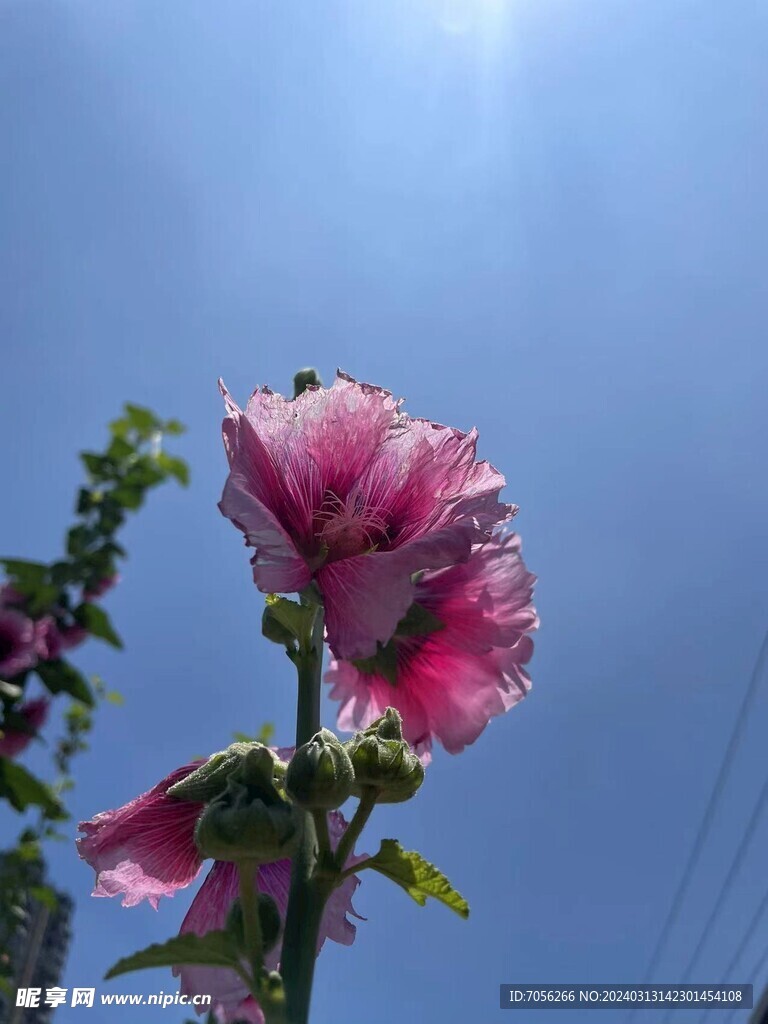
(249, 902)
(308, 894)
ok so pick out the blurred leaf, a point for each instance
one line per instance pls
(33, 573)
(101, 467)
(45, 895)
(120, 449)
(61, 677)
(97, 622)
(114, 697)
(142, 420)
(22, 789)
(174, 428)
(175, 466)
(131, 498)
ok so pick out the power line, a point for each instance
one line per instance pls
(751, 929)
(709, 813)
(755, 973)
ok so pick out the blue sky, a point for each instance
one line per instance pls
(545, 219)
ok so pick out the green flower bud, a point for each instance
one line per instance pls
(381, 758)
(320, 775)
(269, 922)
(250, 820)
(210, 779)
(304, 379)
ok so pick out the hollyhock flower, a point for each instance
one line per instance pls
(49, 639)
(18, 649)
(209, 912)
(340, 487)
(33, 714)
(101, 587)
(463, 666)
(72, 635)
(146, 849)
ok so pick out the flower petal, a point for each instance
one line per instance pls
(145, 849)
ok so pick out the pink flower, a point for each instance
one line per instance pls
(209, 912)
(17, 642)
(450, 682)
(101, 587)
(49, 639)
(72, 635)
(33, 714)
(146, 850)
(341, 487)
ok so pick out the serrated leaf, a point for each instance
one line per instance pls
(96, 621)
(417, 876)
(216, 949)
(61, 677)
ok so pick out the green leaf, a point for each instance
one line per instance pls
(114, 697)
(100, 467)
(31, 573)
(174, 428)
(216, 949)
(96, 621)
(21, 789)
(174, 466)
(417, 876)
(120, 449)
(45, 895)
(284, 621)
(61, 677)
(141, 420)
(128, 497)
(418, 621)
(382, 663)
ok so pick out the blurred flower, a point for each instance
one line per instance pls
(341, 487)
(449, 682)
(18, 639)
(146, 849)
(49, 639)
(33, 714)
(101, 587)
(72, 635)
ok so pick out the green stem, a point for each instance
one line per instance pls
(325, 854)
(249, 902)
(356, 826)
(308, 894)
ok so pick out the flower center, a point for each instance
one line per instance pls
(349, 527)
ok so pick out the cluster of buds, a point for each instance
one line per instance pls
(253, 800)
(246, 817)
(325, 772)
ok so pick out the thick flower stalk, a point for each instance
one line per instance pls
(342, 488)
(457, 660)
